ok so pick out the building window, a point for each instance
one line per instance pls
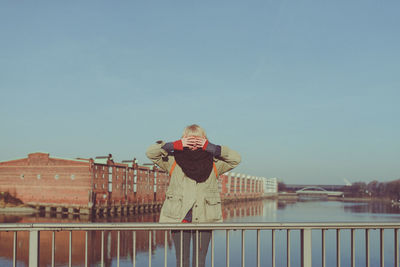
(72, 176)
(95, 185)
(103, 175)
(39, 176)
(103, 186)
(56, 176)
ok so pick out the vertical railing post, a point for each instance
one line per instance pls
(396, 248)
(306, 252)
(165, 247)
(273, 248)
(338, 248)
(150, 249)
(197, 248)
(243, 250)
(53, 249)
(134, 248)
(288, 247)
(15, 250)
(102, 249)
(227, 248)
(212, 248)
(181, 249)
(353, 249)
(367, 260)
(382, 249)
(70, 250)
(34, 248)
(86, 248)
(323, 252)
(118, 246)
(258, 248)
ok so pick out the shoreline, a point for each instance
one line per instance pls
(295, 197)
(17, 210)
(27, 210)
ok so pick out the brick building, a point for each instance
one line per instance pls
(39, 179)
(81, 185)
(102, 185)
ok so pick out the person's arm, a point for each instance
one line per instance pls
(157, 154)
(229, 159)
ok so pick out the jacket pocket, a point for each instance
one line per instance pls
(172, 206)
(213, 208)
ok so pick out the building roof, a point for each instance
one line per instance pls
(45, 155)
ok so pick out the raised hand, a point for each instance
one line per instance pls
(189, 142)
(193, 142)
(200, 141)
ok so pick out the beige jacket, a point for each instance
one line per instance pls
(184, 193)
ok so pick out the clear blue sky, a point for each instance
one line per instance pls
(306, 91)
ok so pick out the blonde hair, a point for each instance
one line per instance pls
(194, 130)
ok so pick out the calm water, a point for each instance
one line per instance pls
(257, 211)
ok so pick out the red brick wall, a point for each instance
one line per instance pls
(130, 184)
(118, 182)
(39, 179)
(144, 185)
(100, 184)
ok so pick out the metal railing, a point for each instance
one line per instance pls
(304, 228)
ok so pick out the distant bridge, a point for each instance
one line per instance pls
(318, 191)
(295, 187)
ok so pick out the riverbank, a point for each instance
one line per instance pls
(17, 210)
(12, 205)
(295, 197)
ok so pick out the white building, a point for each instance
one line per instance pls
(270, 186)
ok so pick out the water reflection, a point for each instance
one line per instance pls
(261, 211)
(245, 209)
(229, 210)
(78, 246)
(372, 207)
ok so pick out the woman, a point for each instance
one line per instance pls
(194, 165)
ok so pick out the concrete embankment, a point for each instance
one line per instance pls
(295, 197)
(18, 210)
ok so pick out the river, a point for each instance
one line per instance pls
(255, 211)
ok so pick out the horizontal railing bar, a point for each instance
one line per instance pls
(192, 226)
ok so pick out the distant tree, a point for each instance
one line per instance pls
(281, 186)
(387, 190)
(381, 190)
(393, 190)
(372, 187)
(357, 189)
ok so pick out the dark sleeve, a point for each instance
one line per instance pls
(215, 150)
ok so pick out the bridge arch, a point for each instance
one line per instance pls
(312, 188)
